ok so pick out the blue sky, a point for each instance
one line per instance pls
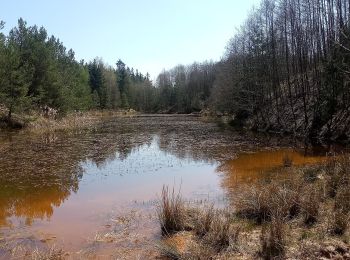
(148, 35)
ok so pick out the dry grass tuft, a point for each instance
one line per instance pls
(310, 204)
(69, 122)
(202, 220)
(273, 239)
(262, 202)
(337, 174)
(341, 217)
(171, 212)
(340, 223)
(24, 252)
(170, 251)
(222, 234)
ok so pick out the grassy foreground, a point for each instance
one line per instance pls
(300, 213)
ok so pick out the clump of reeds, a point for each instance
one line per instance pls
(222, 234)
(338, 186)
(310, 204)
(171, 212)
(340, 223)
(261, 202)
(215, 228)
(273, 239)
(212, 227)
(202, 220)
(341, 217)
(253, 203)
(337, 174)
(308, 196)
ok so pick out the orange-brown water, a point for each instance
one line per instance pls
(250, 167)
(94, 191)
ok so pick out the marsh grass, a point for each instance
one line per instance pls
(308, 204)
(36, 122)
(261, 202)
(337, 172)
(341, 218)
(222, 234)
(69, 122)
(340, 223)
(171, 212)
(202, 220)
(273, 239)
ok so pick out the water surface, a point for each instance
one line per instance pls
(65, 188)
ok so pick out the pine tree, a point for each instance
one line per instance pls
(15, 79)
(123, 83)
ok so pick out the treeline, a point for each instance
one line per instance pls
(186, 89)
(121, 87)
(288, 68)
(37, 72)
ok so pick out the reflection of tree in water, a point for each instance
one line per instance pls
(35, 176)
(114, 145)
(39, 172)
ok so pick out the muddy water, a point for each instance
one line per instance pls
(78, 190)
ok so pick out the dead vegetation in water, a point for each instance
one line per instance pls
(39, 123)
(73, 121)
(69, 122)
(300, 214)
(24, 252)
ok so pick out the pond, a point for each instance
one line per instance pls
(94, 191)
